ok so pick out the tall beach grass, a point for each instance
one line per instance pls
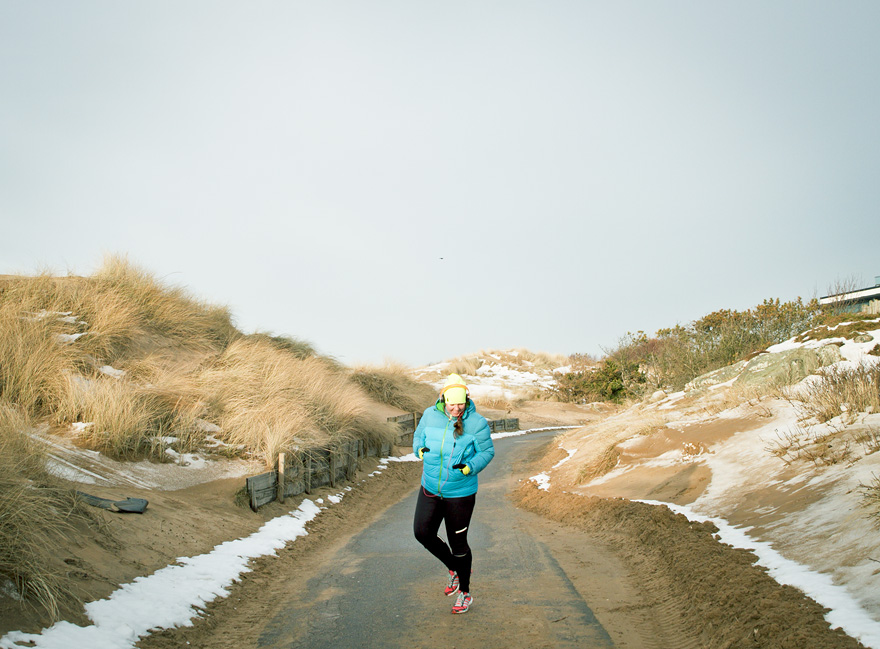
(270, 401)
(33, 511)
(392, 384)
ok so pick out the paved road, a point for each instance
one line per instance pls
(383, 589)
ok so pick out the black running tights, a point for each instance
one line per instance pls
(430, 510)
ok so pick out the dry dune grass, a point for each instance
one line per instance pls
(120, 308)
(464, 365)
(182, 359)
(143, 308)
(518, 359)
(139, 362)
(537, 360)
(498, 402)
(271, 402)
(604, 464)
(125, 419)
(392, 384)
(522, 359)
(32, 362)
(844, 391)
(32, 512)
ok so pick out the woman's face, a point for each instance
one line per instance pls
(455, 409)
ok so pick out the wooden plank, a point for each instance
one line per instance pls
(261, 489)
(293, 468)
(351, 469)
(280, 481)
(320, 468)
(294, 484)
(307, 470)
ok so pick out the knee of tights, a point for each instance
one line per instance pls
(461, 549)
(423, 536)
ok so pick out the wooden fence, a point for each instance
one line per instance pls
(306, 470)
(503, 425)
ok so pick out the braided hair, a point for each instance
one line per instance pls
(459, 426)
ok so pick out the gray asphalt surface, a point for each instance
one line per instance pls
(383, 589)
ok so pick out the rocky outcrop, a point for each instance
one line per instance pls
(788, 367)
(781, 368)
(716, 377)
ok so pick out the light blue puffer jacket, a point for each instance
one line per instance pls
(436, 431)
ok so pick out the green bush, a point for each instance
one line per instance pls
(604, 382)
(673, 356)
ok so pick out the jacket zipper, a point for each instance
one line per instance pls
(440, 473)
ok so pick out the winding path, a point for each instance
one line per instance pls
(381, 589)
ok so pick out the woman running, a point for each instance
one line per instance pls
(454, 444)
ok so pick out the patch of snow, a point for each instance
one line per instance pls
(187, 460)
(91, 467)
(213, 442)
(726, 384)
(8, 589)
(517, 433)
(542, 480)
(172, 596)
(411, 457)
(69, 338)
(111, 371)
(565, 459)
(670, 401)
(207, 427)
(63, 469)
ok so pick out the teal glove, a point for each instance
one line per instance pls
(422, 452)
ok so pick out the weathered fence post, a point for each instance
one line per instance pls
(307, 468)
(351, 465)
(332, 463)
(280, 496)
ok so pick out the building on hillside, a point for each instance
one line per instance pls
(863, 300)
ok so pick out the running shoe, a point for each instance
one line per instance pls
(462, 602)
(452, 585)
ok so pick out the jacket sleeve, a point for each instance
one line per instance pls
(419, 437)
(484, 447)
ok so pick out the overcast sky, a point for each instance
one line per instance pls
(416, 180)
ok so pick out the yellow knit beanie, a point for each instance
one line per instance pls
(454, 391)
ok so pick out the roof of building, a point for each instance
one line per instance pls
(857, 295)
